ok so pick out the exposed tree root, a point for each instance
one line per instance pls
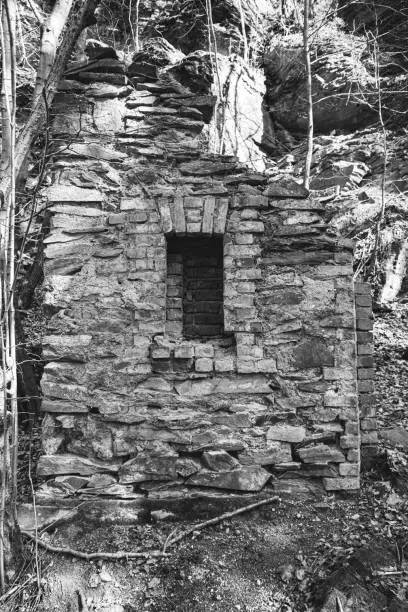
(117, 556)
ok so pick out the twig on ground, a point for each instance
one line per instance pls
(223, 517)
(168, 539)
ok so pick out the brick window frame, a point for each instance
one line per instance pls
(194, 294)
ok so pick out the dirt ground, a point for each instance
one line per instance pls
(316, 552)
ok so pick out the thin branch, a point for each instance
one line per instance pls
(36, 12)
(385, 151)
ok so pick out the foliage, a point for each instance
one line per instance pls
(183, 23)
(28, 32)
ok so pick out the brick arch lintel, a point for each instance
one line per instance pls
(185, 215)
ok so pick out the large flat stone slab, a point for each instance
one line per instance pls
(51, 465)
(145, 468)
(73, 195)
(247, 384)
(271, 453)
(251, 478)
(321, 453)
(286, 188)
(37, 519)
(67, 348)
(94, 150)
(286, 433)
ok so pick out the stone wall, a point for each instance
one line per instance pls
(134, 402)
(365, 365)
(195, 273)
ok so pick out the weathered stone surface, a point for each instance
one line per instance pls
(114, 490)
(321, 453)
(101, 60)
(286, 188)
(72, 483)
(239, 420)
(101, 91)
(349, 469)
(68, 193)
(219, 461)
(63, 391)
(253, 384)
(94, 151)
(341, 484)
(204, 350)
(34, 518)
(286, 433)
(203, 364)
(77, 224)
(334, 399)
(74, 210)
(66, 348)
(251, 478)
(51, 465)
(297, 488)
(73, 253)
(350, 441)
(145, 467)
(63, 406)
(270, 453)
(98, 77)
(186, 466)
(156, 383)
(124, 441)
(216, 438)
(101, 481)
(184, 351)
(312, 353)
(207, 167)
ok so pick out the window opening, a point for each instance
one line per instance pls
(195, 287)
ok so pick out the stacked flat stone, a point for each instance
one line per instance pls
(365, 365)
(125, 393)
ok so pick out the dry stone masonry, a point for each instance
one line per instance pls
(202, 321)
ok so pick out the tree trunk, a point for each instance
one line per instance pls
(306, 49)
(79, 17)
(8, 428)
(52, 31)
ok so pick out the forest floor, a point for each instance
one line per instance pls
(312, 552)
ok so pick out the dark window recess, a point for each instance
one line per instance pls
(195, 287)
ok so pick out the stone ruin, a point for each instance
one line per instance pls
(205, 334)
